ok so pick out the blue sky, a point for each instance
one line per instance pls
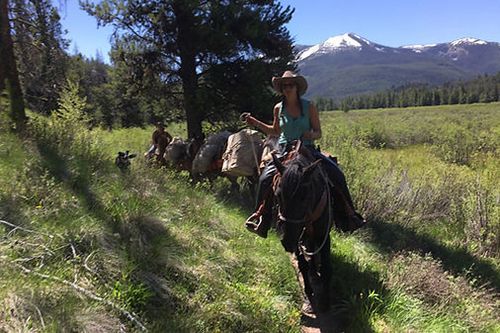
(387, 22)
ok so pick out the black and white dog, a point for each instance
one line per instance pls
(122, 161)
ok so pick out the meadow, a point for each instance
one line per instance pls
(85, 247)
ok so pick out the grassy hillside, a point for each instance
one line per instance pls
(85, 247)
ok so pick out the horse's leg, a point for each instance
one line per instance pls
(325, 274)
(304, 271)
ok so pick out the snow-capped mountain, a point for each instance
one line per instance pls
(349, 64)
(348, 41)
(462, 42)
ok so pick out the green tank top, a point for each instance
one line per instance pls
(293, 128)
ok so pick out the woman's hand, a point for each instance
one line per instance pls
(310, 135)
(250, 120)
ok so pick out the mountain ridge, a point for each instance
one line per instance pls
(349, 64)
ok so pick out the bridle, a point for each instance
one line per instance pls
(312, 215)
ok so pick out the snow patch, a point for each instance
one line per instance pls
(333, 44)
(468, 40)
(418, 48)
(341, 41)
(308, 52)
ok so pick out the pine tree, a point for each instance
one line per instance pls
(222, 53)
(39, 47)
(9, 77)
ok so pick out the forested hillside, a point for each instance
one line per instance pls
(483, 89)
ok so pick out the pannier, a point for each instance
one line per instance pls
(243, 153)
(209, 152)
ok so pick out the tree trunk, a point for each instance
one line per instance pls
(9, 77)
(191, 104)
(187, 72)
(3, 65)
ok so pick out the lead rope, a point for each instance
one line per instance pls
(254, 151)
(327, 233)
(257, 164)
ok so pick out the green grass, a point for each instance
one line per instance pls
(177, 258)
(426, 206)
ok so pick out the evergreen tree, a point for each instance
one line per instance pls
(221, 53)
(483, 89)
(9, 77)
(40, 49)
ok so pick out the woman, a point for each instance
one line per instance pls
(297, 118)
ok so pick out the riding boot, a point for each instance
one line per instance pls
(346, 217)
(260, 221)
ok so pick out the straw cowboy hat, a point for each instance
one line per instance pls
(290, 76)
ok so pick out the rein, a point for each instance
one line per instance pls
(310, 217)
(327, 233)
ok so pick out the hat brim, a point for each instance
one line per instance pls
(300, 81)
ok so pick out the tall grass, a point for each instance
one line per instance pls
(86, 247)
(96, 249)
(435, 221)
(413, 183)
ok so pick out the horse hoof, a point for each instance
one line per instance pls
(307, 309)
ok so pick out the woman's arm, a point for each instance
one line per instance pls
(315, 132)
(273, 129)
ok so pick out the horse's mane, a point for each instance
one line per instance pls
(292, 177)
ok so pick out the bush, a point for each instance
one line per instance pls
(65, 133)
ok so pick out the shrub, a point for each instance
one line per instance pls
(66, 131)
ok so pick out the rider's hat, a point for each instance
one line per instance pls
(289, 76)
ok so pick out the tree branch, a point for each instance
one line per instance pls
(16, 227)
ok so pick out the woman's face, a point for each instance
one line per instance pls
(289, 89)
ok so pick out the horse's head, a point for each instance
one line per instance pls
(299, 189)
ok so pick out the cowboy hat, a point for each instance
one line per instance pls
(289, 76)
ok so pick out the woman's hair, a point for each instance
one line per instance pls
(283, 103)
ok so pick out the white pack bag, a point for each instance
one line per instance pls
(243, 152)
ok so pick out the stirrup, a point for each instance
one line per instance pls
(256, 227)
(356, 221)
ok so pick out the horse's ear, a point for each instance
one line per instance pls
(279, 166)
(308, 169)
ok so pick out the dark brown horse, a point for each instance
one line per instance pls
(303, 195)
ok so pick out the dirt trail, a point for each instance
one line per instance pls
(325, 323)
(312, 323)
